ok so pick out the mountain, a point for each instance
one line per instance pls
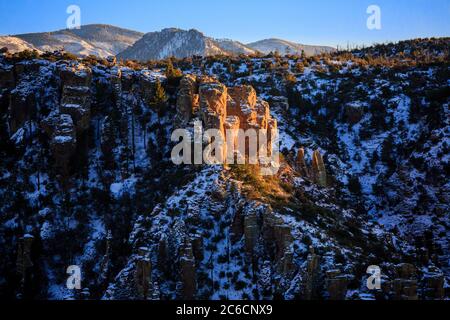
(286, 47)
(87, 178)
(181, 43)
(234, 47)
(96, 39)
(106, 40)
(15, 44)
(173, 42)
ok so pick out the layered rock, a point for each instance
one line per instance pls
(319, 173)
(62, 132)
(242, 104)
(251, 232)
(76, 103)
(22, 106)
(277, 233)
(213, 105)
(433, 283)
(187, 100)
(337, 284)
(404, 285)
(143, 272)
(188, 272)
(24, 261)
(301, 163)
(7, 79)
(312, 277)
(75, 75)
(76, 97)
(27, 68)
(223, 108)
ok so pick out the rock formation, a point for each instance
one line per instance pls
(301, 163)
(223, 108)
(187, 101)
(24, 262)
(62, 132)
(76, 82)
(312, 277)
(433, 282)
(251, 232)
(337, 284)
(319, 172)
(187, 272)
(7, 79)
(143, 277)
(404, 284)
(22, 106)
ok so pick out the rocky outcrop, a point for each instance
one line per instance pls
(433, 283)
(187, 272)
(213, 104)
(27, 68)
(404, 284)
(319, 173)
(61, 130)
(232, 126)
(251, 232)
(301, 163)
(198, 247)
(143, 277)
(24, 261)
(22, 106)
(187, 100)
(77, 75)
(242, 104)
(337, 284)
(223, 108)
(76, 103)
(7, 79)
(76, 96)
(312, 277)
(276, 233)
(286, 266)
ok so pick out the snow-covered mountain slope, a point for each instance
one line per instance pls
(15, 44)
(181, 44)
(172, 42)
(286, 47)
(86, 179)
(106, 40)
(234, 47)
(98, 40)
(381, 115)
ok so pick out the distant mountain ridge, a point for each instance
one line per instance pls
(182, 43)
(96, 39)
(287, 47)
(107, 40)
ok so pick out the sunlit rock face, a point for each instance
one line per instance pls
(223, 108)
(187, 100)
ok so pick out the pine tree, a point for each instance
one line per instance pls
(172, 72)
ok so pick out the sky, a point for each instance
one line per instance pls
(317, 22)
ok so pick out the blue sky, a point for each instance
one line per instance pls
(322, 22)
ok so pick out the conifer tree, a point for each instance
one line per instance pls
(160, 98)
(172, 72)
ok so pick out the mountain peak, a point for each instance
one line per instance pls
(107, 40)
